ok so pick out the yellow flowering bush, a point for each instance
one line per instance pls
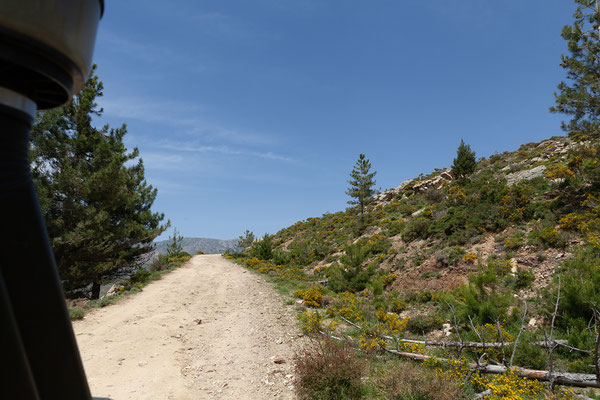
(313, 296)
(411, 347)
(509, 386)
(311, 322)
(570, 221)
(252, 262)
(348, 307)
(559, 171)
(456, 194)
(514, 242)
(503, 386)
(178, 259)
(387, 279)
(398, 305)
(392, 324)
(470, 258)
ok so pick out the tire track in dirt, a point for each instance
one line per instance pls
(208, 330)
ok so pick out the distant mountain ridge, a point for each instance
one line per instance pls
(193, 245)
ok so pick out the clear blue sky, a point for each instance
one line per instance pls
(251, 114)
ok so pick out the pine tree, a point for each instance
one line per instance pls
(464, 164)
(361, 184)
(579, 96)
(245, 240)
(92, 191)
(175, 247)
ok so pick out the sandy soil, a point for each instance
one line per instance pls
(208, 330)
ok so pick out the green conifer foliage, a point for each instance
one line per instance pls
(246, 240)
(464, 164)
(579, 96)
(361, 184)
(175, 247)
(93, 194)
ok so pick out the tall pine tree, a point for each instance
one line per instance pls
(579, 95)
(361, 184)
(464, 164)
(93, 194)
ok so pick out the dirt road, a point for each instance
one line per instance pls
(208, 330)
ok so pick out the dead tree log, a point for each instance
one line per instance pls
(558, 378)
(482, 345)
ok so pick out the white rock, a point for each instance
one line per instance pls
(515, 177)
(447, 329)
(513, 266)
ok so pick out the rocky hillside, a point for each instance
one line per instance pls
(481, 258)
(430, 233)
(485, 243)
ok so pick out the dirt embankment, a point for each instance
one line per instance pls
(209, 330)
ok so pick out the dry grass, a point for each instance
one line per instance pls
(406, 381)
(329, 370)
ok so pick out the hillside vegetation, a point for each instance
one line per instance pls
(457, 259)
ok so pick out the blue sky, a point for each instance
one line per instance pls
(251, 114)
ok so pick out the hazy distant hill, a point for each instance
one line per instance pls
(193, 245)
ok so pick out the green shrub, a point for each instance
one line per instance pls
(76, 313)
(281, 257)
(141, 275)
(300, 253)
(329, 370)
(159, 264)
(529, 355)
(423, 324)
(394, 228)
(515, 241)
(416, 228)
(355, 276)
(524, 278)
(482, 301)
(450, 256)
(377, 286)
(547, 237)
(580, 287)
(263, 248)
(424, 296)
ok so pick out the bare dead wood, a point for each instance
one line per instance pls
(597, 346)
(456, 327)
(476, 368)
(483, 394)
(558, 378)
(501, 341)
(512, 356)
(485, 345)
(346, 320)
(551, 349)
(478, 345)
(475, 329)
(580, 396)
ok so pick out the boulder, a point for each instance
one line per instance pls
(516, 177)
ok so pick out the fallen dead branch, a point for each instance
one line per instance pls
(482, 394)
(486, 345)
(557, 378)
(478, 345)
